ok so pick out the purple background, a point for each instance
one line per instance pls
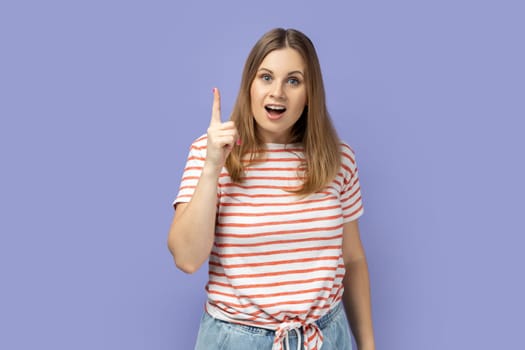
(99, 101)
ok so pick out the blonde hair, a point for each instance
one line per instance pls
(314, 129)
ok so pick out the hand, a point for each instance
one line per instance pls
(221, 136)
(369, 347)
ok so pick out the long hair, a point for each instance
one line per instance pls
(314, 128)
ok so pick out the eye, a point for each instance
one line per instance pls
(266, 77)
(293, 81)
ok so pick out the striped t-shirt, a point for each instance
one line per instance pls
(277, 261)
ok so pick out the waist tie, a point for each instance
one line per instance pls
(311, 332)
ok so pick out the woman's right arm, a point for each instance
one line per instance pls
(192, 231)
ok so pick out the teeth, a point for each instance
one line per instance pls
(278, 108)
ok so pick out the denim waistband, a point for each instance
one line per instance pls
(326, 319)
(322, 322)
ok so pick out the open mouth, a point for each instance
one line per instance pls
(275, 111)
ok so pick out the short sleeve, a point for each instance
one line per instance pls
(351, 200)
(192, 170)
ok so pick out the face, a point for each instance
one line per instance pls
(278, 94)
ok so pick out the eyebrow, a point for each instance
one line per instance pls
(289, 73)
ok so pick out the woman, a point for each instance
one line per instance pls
(272, 199)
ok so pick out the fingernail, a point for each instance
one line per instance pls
(213, 90)
(239, 142)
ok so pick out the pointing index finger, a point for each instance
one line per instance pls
(216, 108)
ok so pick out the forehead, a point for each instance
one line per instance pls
(283, 61)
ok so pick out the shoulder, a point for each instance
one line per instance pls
(347, 155)
(199, 144)
(200, 141)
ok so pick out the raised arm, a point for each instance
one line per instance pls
(192, 230)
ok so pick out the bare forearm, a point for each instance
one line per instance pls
(191, 233)
(357, 303)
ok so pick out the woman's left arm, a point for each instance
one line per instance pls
(356, 297)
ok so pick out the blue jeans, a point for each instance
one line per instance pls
(215, 334)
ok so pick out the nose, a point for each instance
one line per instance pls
(277, 91)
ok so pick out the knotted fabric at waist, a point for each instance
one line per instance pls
(312, 332)
(312, 336)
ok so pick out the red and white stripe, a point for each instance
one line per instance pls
(276, 262)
